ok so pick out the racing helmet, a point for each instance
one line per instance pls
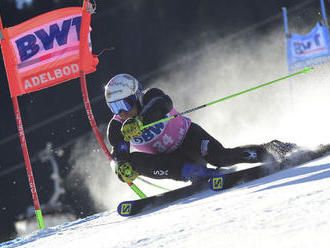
(122, 92)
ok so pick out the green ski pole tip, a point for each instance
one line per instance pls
(306, 70)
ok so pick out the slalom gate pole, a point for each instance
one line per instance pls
(324, 13)
(96, 130)
(306, 70)
(28, 167)
(87, 7)
(285, 21)
(22, 139)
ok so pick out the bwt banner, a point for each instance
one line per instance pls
(306, 50)
(45, 51)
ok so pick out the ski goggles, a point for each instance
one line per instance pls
(125, 104)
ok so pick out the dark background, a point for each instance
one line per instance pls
(147, 35)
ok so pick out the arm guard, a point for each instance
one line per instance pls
(156, 104)
(120, 148)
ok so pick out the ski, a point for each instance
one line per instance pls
(226, 181)
(221, 182)
(130, 208)
(218, 183)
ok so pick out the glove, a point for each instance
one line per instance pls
(125, 172)
(131, 129)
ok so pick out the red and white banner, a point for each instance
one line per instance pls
(47, 50)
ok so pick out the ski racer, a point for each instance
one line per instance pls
(176, 149)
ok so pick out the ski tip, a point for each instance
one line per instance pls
(216, 183)
(125, 208)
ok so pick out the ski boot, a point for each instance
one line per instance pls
(196, 173)
(279, 150)
(255, 154)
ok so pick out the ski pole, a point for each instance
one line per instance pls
(152, 184)
(306, 70)
(137, 190)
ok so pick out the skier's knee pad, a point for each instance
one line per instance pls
(215, 153)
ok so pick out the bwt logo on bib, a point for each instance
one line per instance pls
(44, 38)
(149, 134)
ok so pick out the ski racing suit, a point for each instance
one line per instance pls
(176, 149)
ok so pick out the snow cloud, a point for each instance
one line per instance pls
(91, 167)
(292, 110)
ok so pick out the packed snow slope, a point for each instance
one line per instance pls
(287, 209)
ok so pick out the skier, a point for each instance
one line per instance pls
(176, 149)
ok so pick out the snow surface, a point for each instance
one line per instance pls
(287, 209)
